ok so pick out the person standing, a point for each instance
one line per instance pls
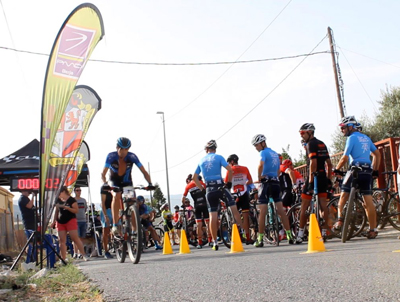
(65, 219)
(106, 220)
(28, 218)
(80, 216)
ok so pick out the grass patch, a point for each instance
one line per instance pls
(66, 283)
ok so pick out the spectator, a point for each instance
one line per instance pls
(80, 216)
(28, 217)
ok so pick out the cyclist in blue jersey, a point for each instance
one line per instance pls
(358, 149)
(119, 164)
(268, 171)
(210, 166)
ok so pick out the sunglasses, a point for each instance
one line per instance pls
(78, 190)
(303, 132)
(343, 127)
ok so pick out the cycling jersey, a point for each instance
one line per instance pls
(198, 196)
(210, 166)
(359, 147)
(112, 163)
(316, 149)
(240, 177)
(271, 162)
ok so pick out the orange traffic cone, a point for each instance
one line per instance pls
(184, 246)
(236, 242)
(315, 241)
(167, 248)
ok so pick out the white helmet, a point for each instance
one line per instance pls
(348, 121)
(163, 206)
(259, 138)
(307, 127)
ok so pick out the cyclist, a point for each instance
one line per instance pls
(144, 214)
(358, 148)
(241, 181)
(210, 167)
(167, 221)
(268, 170)
(177, 221)
(200, 207)
(120, 164)
(287, 179)
(317, 156)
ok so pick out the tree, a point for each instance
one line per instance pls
(285, 153)
(158, 198)
(301, 161)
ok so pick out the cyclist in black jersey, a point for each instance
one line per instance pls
(119, 163)
(317, 157)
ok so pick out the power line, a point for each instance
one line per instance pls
(259, 103)
(341, 48)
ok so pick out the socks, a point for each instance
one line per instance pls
(289, 234)
(260, 237)
(301, 233)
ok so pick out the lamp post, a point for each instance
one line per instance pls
(166, 163)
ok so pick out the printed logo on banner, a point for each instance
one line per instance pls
(72, 52)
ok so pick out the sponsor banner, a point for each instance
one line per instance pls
(74, 44)
(66, 160)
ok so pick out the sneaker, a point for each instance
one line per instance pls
(85, 259)
(115, 231)
(158, 247)
(249, 242)
(258, 244)
(199, 246)
(215, 247)
(299, 240)
(372, 234)
(107, 255)
(210, 244)
(291, 240)
(75, 256)
(338, 225)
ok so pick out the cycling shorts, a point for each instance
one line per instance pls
(322, 184)
(119, 185)
(201, 212)
(168, 226)
(269, 189)
(214, 194)
(243, 202)
(145, 223)
(364, 181)
(287, 198)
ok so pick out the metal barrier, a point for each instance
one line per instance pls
(389, 150)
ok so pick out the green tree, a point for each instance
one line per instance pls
(285, 153)
(158, 199)
(302, 160)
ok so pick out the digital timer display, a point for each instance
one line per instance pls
(32, 184)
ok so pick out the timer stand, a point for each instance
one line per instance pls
(33, 238)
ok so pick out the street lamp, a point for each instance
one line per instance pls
(166, 163)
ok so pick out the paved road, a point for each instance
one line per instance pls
(360, 270)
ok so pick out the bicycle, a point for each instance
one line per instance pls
(271, 234)
(387, 204)
(227, 220)
(130, 241)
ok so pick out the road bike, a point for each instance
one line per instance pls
(227, 219)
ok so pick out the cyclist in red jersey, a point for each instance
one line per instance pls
(241, 182)
(200, 206)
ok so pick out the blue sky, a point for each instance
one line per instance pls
(203, 102)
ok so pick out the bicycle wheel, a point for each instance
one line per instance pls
(120, 248)
(378, 197)
(272, 227)
(333, 216)
(253, 224)
(348, 215)
(135, 240)
(226, 229)
(294, 220)
(393, 209)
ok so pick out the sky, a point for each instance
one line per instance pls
(227, 102)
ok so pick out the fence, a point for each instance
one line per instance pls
(389, 150)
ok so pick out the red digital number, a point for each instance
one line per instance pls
(28, 183)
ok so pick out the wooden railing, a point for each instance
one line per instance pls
(389, 150)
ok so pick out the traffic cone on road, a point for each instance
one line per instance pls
(167, 248)
(184, 246)
(236, 242)
(315, 240)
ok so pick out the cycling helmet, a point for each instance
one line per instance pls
(233, 157)
(287, 162)
(259, 138)
(124, 143)
(359, 127)
(200, 178)
(140, 198)
(348, 121)
(307, 127)
(176, 208)
(212, 144)
(164, 206)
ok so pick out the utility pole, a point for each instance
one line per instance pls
(338, 77)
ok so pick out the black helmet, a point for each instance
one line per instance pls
(307, 127)
(259, 138)
(212, 144)
(189, 178)
(124, 143)
(233, 157)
